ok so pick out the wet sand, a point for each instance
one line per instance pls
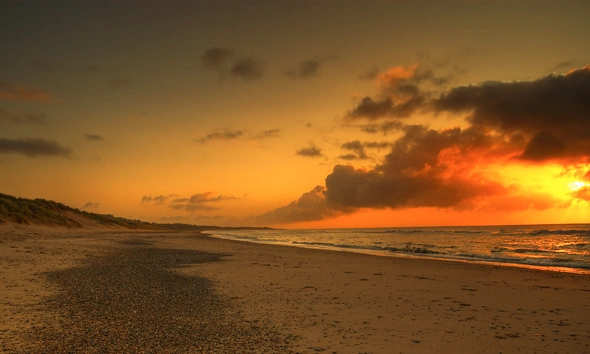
(110, 290)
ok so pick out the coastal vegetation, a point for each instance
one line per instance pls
(47, 212)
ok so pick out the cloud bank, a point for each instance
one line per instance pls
(542, 121)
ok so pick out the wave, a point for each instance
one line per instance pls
(564, 232)
(406, 249)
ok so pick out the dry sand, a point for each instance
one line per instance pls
(187, 293)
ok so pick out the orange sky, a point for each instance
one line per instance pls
(299, 113)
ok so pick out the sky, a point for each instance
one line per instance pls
(299, 114)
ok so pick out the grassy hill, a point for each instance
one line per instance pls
(47, 212)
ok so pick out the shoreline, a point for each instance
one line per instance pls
(409, 255)
(308, 300)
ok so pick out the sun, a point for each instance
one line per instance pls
(577, 185)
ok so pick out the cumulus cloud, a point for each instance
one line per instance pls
(94, 137)
(550, 113)
(311, 151)
(521, 122)
(403, 90)
(309, 207)
(9, 117)
(33, 147)
(420, 171)
(12, 92)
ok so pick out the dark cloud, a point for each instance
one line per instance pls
(420, 171)
(228, 134)
(348, 157)
(158, 200)
(12, 92)
(306, 69)
(199, 201)
(359, 149)
(33, 147)
(94, 137)
(377, 144)
(383, 127)
(403, 91)
(221, 135)
(215, 58)
(311, 151)
(247, 69)
(414, 174)
(371, 109)
(309, 207)
(535, 121)
(9, 117)
(272, 133)
(208, 197)
(551, 113)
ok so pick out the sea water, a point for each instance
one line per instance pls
(563, 248)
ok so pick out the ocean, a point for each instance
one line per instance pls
(563, 248)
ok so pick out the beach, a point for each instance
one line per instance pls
(112, 290)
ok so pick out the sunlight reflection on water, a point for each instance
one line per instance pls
(548, 247)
